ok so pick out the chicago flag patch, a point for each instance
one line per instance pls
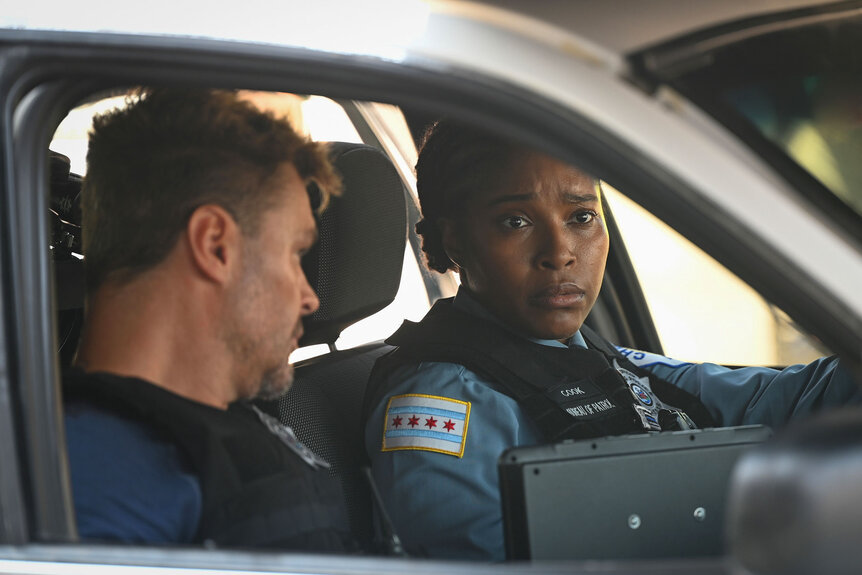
(426, 423)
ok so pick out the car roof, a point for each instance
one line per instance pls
(625, 26)
(616, 26)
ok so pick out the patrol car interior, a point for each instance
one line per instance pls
(369, 228)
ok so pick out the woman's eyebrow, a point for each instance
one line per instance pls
(511, 198)
(570, 197)
(580, 198)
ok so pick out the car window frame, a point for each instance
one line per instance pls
(74, 64)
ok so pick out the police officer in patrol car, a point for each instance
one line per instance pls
(195, 219)
(509, 362)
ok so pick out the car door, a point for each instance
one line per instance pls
(37, 509)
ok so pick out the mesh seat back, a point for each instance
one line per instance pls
(355, 270)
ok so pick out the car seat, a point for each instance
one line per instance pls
(355, 269)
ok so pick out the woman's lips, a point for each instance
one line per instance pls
(559, 296)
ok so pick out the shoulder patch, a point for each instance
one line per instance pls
(426, 423)
(647, 359)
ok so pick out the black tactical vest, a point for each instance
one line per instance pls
(257, 492)
(570, 393)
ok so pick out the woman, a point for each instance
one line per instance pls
(509, 362)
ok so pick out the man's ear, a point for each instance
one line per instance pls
(214, 242)
(451, 243)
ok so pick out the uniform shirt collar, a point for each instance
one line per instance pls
(468, 304)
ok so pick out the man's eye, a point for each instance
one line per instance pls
(515, 222)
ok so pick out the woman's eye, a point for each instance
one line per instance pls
(585, 217)
(515, 222)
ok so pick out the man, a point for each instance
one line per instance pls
(195, 221)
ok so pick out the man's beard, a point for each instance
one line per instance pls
(275, 382)
(250, 348)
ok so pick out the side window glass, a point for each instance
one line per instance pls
(820, 130)
(702, 311)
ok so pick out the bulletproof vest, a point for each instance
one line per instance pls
(257, 491)
(570, 393)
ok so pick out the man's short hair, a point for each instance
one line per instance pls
(170, 151)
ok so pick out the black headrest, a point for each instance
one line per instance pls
(355, 268)
(65, 189)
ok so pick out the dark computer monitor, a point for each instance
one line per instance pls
(634, 496)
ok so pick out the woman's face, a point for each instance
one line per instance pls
(533, 250)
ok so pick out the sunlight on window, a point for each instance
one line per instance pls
(308, 352)
(326, 121)
(701, 311)
(70, 139)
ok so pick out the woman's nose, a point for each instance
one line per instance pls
(557, 250)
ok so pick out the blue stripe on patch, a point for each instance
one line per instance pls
(427, 410)
(424, 433)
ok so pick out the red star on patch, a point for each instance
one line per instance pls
(413, 421)
(449, 425)
(430, 422)
(396, 422)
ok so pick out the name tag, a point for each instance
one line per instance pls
(578, 390)
(582, 399)
(588, 409)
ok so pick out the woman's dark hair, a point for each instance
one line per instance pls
(455, 160)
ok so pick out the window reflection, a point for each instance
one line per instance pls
(817, 120)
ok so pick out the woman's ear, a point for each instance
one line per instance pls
(451, 240)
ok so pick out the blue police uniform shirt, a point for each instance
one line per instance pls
(448, 504)
(129, 484)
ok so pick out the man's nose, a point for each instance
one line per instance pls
(557, 249)
(309, 302)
